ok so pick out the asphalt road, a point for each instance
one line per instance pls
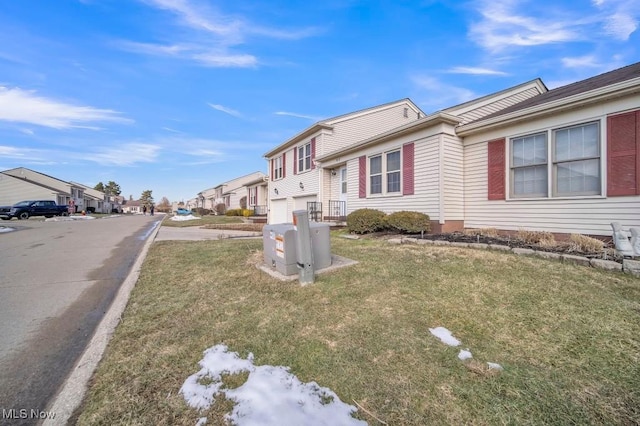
(57, 279)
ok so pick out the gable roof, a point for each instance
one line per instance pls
(330, 122)
(32, 182)
(619, 82)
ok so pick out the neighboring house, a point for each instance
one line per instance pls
(63, 192)
(257, 195)
(297, 182)
(98, 200)
(132, 206)
(13, 190)
(231, 192)
(565, 160)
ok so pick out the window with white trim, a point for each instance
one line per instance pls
(572, 162)
(529, 166)
(304, 157)
(253, 196)
(277, 168)
(384, 173)
(576, 162)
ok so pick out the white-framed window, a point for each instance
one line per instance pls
(277, 168)
(571, 163)
(529, 166)
(253, 196)
(576, 160)
(384, 173)
(343, 180)
(304, 157)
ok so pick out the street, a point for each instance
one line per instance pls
(57, 279)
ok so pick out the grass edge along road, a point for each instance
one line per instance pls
(566, 335)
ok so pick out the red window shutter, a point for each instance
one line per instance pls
(295, 160)
(362, 177)
(408, 151)
(284, 164)
(623, 154)
(496, 166)
(313, 153)
(272, 169)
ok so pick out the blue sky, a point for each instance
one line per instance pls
(178, 96)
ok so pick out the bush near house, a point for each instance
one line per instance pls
(408, 222)
(541, 238)
(239, 212)
(220, 209)
(363, 221)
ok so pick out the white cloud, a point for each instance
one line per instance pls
(203, 54)
(509, 23)
(293, 114)
(475, 71)
(225, 110)
(125, 155)
(588, 61)
(439, 94)
(502, 26)
(620, 25)
(24, 106)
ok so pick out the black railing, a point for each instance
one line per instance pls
(259, 210)
(337, 210)
(315, 210)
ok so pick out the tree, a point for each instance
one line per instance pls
(99, 187)
(243, 202)
(113, 188)
(164, 205)
(146, 198)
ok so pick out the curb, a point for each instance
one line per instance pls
(74, 388)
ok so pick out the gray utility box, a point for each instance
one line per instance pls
(279, 243)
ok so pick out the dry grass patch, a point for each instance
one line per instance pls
(567, 336)
(541, 238)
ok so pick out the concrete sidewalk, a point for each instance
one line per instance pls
(196, 233)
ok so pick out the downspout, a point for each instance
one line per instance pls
(441, 220)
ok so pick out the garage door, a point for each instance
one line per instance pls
(278, 212)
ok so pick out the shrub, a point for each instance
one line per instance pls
(243, 202)
(541, 238)
(220, 208)
(247, 212)
(585, 244)
(408, 222)
(234, 212)
(363, 221)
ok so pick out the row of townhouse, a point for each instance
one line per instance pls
(565, 160)
(252, 187)
(25, 184)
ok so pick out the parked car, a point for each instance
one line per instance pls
(182, 211)
(26, 209)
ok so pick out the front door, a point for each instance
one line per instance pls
(343, 192)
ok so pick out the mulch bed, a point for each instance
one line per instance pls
(510, 241)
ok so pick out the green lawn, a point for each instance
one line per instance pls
(568, 337)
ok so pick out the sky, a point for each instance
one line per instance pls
(178, 96)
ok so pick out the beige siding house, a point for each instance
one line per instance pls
(565, 161)
(14, 190)
(297, 181)
(64, 191)
(230, 192)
